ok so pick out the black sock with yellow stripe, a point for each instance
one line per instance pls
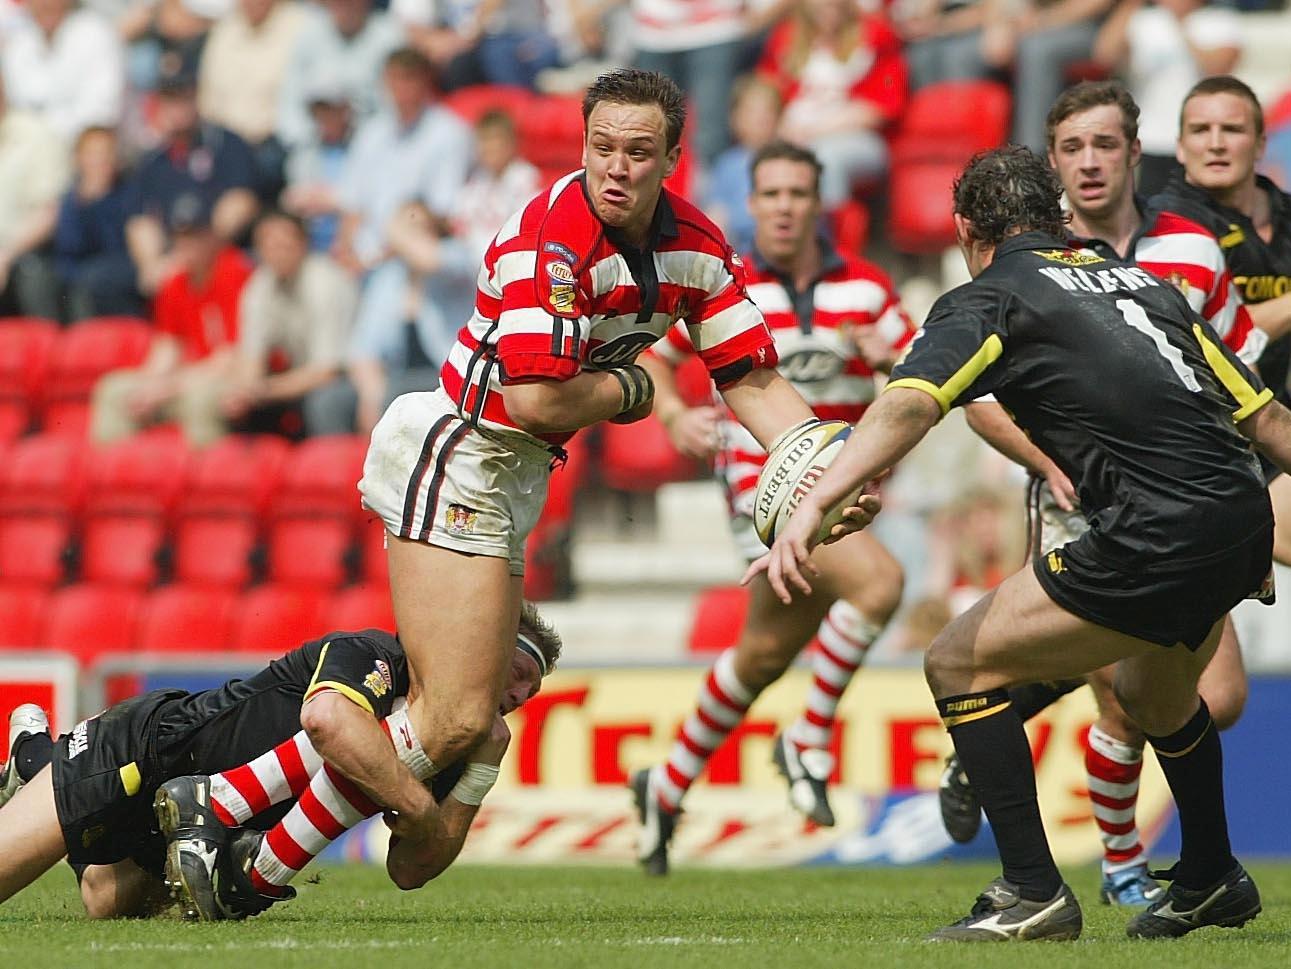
(993, 749)
(1192, 760)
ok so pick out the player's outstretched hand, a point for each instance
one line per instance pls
(693, 432)
(790, 556)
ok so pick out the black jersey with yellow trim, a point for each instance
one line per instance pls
(1114, 376)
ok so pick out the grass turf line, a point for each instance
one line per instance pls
(539, 917)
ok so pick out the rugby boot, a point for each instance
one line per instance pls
(25, 720)
(960, 811)
(235, 893)
(657, 824)
(807, 773)
(195, 839)
(1130, 887)
(1229, 903)
(1000, 914)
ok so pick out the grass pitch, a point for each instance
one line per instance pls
(539, 917)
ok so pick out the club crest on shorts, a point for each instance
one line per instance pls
(375, 684)
(460, 520)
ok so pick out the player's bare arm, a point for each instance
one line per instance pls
(351, 740)
(561, 406)
(994, 426)
(1272, 316)
(766, 404)
(1270, 429)
(890, 428)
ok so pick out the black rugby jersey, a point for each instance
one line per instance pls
(1261, 270)
(1113, 375)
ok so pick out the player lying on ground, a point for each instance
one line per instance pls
(298, 772)
(1094, 149)
(1114, 376)
(572, 289)
(836, 322)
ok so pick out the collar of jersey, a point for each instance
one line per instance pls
(831, 260)
(1030, 240)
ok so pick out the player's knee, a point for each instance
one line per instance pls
(1158, 713)
(99, 893)
(1226, 703)
(944, 670)
(467, 727)
(761, 660)
(883, 590)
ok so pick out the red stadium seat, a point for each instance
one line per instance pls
(236, 476)
(551, 134)
(89, 620)
(474, 101)
(850, 223)
(26, 347)
(640, 457)
(43, 474)
(719, 616)
(122, 550)
(15, 419)
(215, 551)
(273, 619)
(321, 479)
(142, 475)
(365, 606)
(373, 563)
(24, 609)
(920, 206)
(952, 120)
(186, 618)
(84, 353)
(33, 549)
(310, 552)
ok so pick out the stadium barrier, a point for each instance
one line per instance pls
(561, 797)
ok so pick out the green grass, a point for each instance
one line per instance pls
(538, 917)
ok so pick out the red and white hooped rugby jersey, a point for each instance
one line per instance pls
(1187, 254)
(814, 334)
(557, 294)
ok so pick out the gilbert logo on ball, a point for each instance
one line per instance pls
(796, 462)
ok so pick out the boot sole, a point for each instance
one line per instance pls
(167, 813)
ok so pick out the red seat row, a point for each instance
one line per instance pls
(90, 619)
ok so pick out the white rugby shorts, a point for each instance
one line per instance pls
(434, 478)
(1057, 527)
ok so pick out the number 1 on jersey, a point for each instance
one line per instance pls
(1137, 318)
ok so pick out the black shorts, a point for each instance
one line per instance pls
(1163, 602)
(105, 775)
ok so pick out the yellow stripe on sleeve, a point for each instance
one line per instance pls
(1248, 400)
(963, 378)
(351, 694)
(131, 781)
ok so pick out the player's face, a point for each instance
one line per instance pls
(523, 682)
(1094, 160)
(627, 159)
(1218, 146)
(785, 206)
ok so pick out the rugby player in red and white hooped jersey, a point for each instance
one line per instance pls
(1094, 148)
(574, 287)
(837, 323)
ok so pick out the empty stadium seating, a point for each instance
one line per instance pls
(89, 619)
(34, 548)
(215, 551)
(310, 552)
(25, 609)
(122, 550)
(26, 345)
(186, 618)
(360, 607)
(320, 479)
(273, 618)
(84, 353)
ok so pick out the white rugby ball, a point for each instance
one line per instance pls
(796, 461)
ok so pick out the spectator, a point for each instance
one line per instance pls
(33, 172)
(315, 167)
(843, 81)
(943, 39)
(1040, 39)
(755, 116)
(1163, 50)
(243, 66)
(500, 183)
(480, 41)
(345, 43)
(191, 358)
(411, 150)
(161, 33)
(66, 65)
(296, 312)
(194, 158)
(93, 261)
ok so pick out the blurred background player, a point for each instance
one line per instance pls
(89, 794)
(837, 326)
(1093, 147)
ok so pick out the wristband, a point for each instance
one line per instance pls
(635, 384)
(476, 781)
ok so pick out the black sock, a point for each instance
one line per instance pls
(994, 752)
(1030, 699)
(1192, 760)
(31, 753)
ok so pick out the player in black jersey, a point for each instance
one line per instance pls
(89, 794)
(1137, 400)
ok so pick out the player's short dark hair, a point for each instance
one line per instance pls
(1225, 84)
(282, 215)
(495, 119)
(541, 632)
(1009, 190)
(411, 61)
(628, 85)
(1094, 94)
(779, 150)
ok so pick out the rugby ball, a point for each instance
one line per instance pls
(795, 463)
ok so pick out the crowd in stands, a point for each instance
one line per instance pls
(296, 193)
